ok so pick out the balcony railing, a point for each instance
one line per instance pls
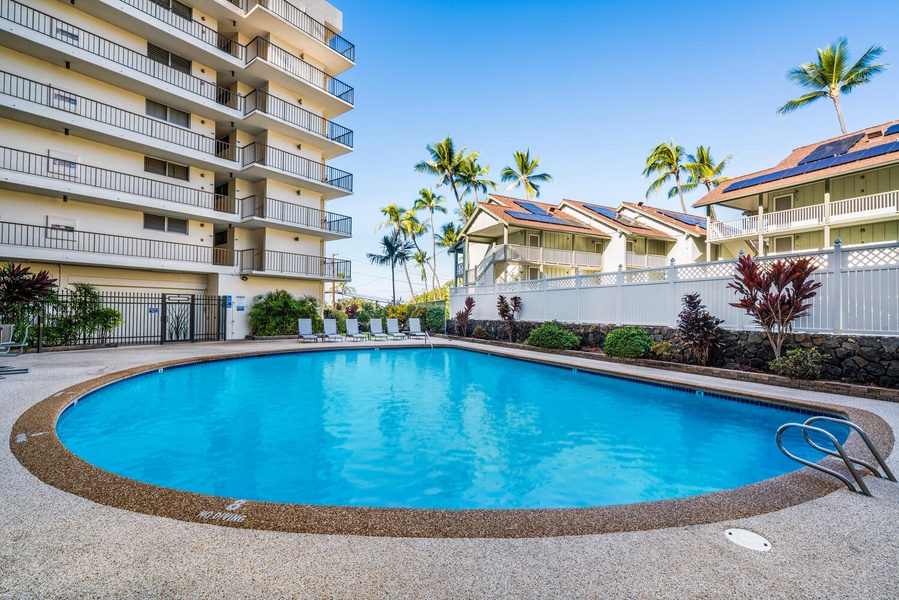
(32, 91)
(194, 29)
(545, 256)
(287, 263)
(315, 29)
(645, 261)
(50, 238)
(39, 165)
(300, 166)
(294, 214)
(299, 68)
(59, 30)
(263, 102)
(841, 211)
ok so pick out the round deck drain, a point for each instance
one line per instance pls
(748, 539)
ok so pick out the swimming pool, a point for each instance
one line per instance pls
(421, 428)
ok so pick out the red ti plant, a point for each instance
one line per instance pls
(508, 310)
(20, 288)
(463, 317)
(776, 296)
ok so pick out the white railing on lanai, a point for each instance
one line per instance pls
(645, 261)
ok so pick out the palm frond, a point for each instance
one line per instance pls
(803, 100)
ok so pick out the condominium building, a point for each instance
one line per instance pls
(178, 147)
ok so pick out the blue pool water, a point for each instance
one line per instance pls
(421, 428)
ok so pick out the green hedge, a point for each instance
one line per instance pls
(628, 342)
(552, 335)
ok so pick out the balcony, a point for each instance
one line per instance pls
(262, 211)
(547, 256)
(286, 264)
(268, 112)
(259, 159)
(314, 29)
(842, 212)
(43, 36)
(153, 131)
(645, 261)
(82, 247)
(267, 61)
(41, 174)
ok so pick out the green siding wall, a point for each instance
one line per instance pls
(874, 233)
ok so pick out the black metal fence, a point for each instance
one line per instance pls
(145, 318)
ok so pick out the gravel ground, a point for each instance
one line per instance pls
(57, 545)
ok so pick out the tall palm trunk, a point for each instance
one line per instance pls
(393, 280)
(436, 280)
(836, 103)
(409, 281)
(680, 192)
(452, 182)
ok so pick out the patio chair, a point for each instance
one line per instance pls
(10, 347)
(415, 330)
(393, 330)
(304, 330)
(331, 331)
(377, 329)
(352, 330)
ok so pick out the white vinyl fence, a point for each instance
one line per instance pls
(859, 293)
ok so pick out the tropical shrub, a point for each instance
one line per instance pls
(776, 296)
(628, 342)
(661, 351)
(276, 313)
(80, 317)
(339, 315)
(400, 312)
(464, 316)
(799, 364)
(508, 310)
(480, 332)
(698, 330)
(553, 335)
(434, 319)
(21, 292)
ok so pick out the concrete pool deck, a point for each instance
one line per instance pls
(56, 544)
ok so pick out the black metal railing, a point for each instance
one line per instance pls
(299, 19)
(32, 91)
(50, 26)
(95, 177)
(194, 29)
(274, 158)
(52, 238)
(257, 100)
(299, 68)
(271, 261)
(295, 214)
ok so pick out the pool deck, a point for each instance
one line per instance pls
(54, 544)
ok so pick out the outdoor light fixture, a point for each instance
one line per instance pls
(243, 277)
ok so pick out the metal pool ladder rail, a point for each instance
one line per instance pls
(839, 452)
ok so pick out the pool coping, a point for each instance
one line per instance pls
(34, 443)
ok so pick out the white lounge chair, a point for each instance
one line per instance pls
(8, 345)
(393, 330)
(304, 330)
(415, 330)
(331, 331)
(352, 330)
(377, 329)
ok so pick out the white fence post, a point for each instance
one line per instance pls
(835, 293)
(577, 294)
(619, 283)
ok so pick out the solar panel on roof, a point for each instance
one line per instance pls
(686, 219)
(831, 149)
(544, 219)
(817, 166)
(602, 210)
(531, 207)
(892, 129)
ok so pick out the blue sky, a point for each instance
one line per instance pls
(590, 87)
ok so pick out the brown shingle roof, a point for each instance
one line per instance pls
(633, 227)
(666, 217)
(720, 193)
(501, 211)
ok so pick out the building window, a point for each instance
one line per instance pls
(629, 245)
(161, 55)
(533, 240)
(163, 167)
(780, 203)
(783, 244)
(167, 113)
(161, 223)
(533, 273)
(182, 10)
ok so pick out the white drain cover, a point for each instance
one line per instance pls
(748, 539)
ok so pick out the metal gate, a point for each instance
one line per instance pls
(192, 318)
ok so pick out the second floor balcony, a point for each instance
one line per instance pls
(838, 213)
(288, 264)
(645, 261)
(265, 211)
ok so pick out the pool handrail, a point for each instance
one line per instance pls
(839, 447)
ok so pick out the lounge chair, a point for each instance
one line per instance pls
(304, 330)
(8, 345)
(331, 331)
(352, 330)
(415, 330)
(377, 329)
(393, 330)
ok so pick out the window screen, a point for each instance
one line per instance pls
(783, 244)
(156, 222)
(154, 165)
(179, 171)
(177, 225)
(157, 110)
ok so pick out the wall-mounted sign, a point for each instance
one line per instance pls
(241, 303)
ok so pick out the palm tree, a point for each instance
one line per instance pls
(666, 160)
(446, 163)
(422, 260)
(466, 211)
(472, 177)
(395, 251)
(432, 202)
(703, 170)
(448, 236)
(832, 75)
(394, 216)
(524, 175)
